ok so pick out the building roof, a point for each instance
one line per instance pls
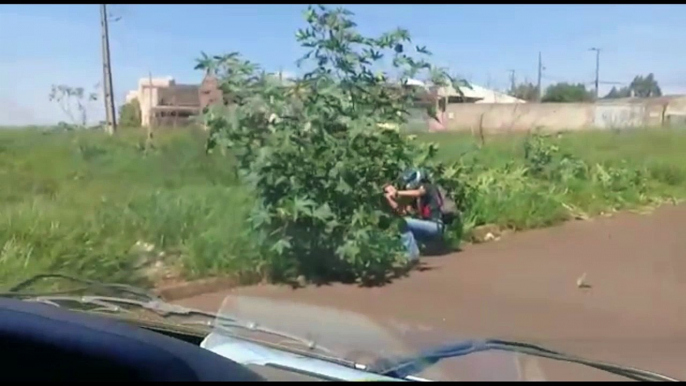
(474, 92)
(156, 82)
(479, 94)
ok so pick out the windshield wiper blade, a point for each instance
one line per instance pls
(163, 309)
(87, 286)
(139, 298)
(403, 367)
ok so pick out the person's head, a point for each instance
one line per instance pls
(413, 177)
(388, 188)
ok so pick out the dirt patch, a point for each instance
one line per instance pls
(485, 233)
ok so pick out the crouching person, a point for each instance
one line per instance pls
(406, 235)
(422, 217)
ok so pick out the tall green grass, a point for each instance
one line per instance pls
(622, 170)
(78, 202)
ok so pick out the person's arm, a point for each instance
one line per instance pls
(389, 198)
(411, 193)
(393, 204)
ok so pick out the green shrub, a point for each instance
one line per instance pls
(317, 154)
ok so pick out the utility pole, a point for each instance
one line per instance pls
(110, 113)
(597, 69)
(512, 81)
(149, 137)
(540, 75)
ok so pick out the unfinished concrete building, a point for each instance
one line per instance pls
(164, 103)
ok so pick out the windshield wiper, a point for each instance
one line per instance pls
(404, 367)
(107, 304)
(86, 286)
(138, 299)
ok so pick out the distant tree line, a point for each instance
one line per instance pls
(130, 114)
(640, 87)
(563, 92)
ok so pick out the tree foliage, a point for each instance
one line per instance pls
(525, 91)
(640, 87)
(567, 93)
(316, 152)
(130, 114)
(616, 93)
(645, 87)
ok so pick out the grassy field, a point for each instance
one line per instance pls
(84, 203)
(625, 169)
(79, 203)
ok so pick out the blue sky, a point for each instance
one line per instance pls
(42, 45)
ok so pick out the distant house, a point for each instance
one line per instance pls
(176, 105)
(471, 94)
(476, 94)
(442, 97)
(164, 103)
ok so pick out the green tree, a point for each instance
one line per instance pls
(130, 114)
(640, 87)
(615, 93)
(567, 93)
(645, 87)
(526, 91)
(316, 152)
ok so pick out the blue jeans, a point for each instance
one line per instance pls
(422, 230)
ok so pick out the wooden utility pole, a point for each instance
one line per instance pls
(597, 69)
(110, 112)
(149, 137)
(513, 83)
(540, 75)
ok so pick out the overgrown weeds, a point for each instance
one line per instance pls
(527, 181)
(78, 203)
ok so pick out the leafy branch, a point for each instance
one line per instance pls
(72, 98)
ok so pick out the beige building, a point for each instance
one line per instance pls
(164, 102)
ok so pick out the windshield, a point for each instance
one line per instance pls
(357, 340)
(327, 343)
(415, 174)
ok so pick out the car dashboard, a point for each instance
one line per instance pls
(52, 343)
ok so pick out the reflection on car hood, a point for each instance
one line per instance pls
(387, 347)
(350, 336)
